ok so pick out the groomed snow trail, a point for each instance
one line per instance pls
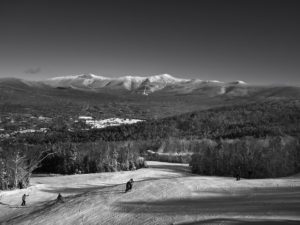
(165, 193)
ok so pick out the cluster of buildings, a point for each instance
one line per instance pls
(13, 124)
(107, 122)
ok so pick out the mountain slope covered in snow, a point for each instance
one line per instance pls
(130, 96)
(138, 84)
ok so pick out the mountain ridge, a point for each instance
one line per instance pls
(156, 85)
(143, 99)
(139, 84)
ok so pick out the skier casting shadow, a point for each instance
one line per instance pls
(24, 200)
(59, 198)
(129, 185)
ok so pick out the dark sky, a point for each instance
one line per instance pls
(254, 41)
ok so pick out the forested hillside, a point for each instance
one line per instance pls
(260, 119)
(273, 128)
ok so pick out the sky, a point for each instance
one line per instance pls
(257, 41)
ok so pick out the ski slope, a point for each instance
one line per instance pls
(164, 193)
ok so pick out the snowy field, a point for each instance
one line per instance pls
(111, 122)
(162, 194)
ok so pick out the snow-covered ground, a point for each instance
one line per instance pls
(23, 131)
(162, 194)
(110, 122)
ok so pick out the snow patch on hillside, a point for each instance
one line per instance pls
(139, 84)
(111, 122)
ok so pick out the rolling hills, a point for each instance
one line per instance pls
(131, 97)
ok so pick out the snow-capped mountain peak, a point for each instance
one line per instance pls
(238, 82)
(138, 84)
(165, 78)
(81, 76)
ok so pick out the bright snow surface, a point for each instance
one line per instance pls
(162, 194)
(110, 122)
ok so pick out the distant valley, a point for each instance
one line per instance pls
(133, 97)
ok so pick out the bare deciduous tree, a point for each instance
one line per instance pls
(18, 161)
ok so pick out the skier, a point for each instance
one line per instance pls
(238, 177)
(59, 198)
(238, 174)
(129, 185)
(24, 200)
(250, 173)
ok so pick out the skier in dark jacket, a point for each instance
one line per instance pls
(59, 198)
(24, 200)
(129, 185)
(238, 174)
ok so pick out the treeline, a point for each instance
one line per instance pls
(19, 159)
(173, 150)
(169, 157)
(260, 139)
(273, 118)
(250, 157)
(92, 157)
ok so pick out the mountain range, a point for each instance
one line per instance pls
(157, 85)
(138, 84)
(130, 96)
